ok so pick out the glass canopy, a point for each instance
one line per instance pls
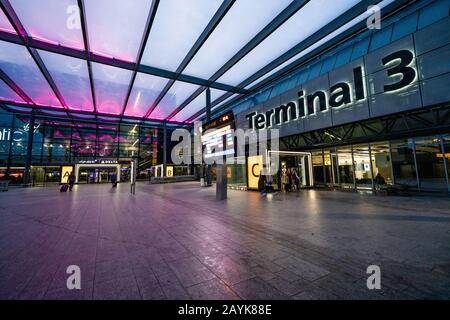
(150, 60)
(196, 105)
(106, 20)
(72, 79)
(145, 91)
(6, 93)
(177, 26)
(53, 21)
(5, 26)
(296, 29)
(17, 63)
(177, 94)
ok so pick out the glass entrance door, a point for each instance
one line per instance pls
(294, 172)
(96, 175)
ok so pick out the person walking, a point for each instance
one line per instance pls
(71, 181)
(114, 180)
(262, 183)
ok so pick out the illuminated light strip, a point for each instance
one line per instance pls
(102, 54)
(45, 40)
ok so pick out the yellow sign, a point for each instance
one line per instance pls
(254, 167)
(443, 155)
(169, 171)
(65, 173)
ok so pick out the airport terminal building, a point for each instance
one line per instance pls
(356, 107)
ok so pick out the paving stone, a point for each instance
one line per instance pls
(190, 271)
(187, 245)
(212, 290)
(172, 287)
(258, 289)
(121, 289)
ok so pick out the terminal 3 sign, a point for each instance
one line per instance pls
(398, 66)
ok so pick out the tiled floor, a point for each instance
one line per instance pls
(177, 242)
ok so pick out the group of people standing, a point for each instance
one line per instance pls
(290, 180)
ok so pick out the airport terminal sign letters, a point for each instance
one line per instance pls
(398, 66)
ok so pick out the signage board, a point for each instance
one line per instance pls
(169, 171)
(254, 167)
(65, 173)
(400, 73)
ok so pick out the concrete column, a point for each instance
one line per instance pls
(221, 182)
(26, 175)
(221, 177)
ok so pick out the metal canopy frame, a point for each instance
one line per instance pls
(316, 37)
(33, 45)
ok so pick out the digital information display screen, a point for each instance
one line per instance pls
(212, 137)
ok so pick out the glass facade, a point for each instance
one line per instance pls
(418, 164)
(60, 142)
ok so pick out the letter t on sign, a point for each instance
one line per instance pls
(250, 117)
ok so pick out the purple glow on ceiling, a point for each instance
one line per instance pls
(56, 22)
(8, 94)
(5, 25)
(111, 87)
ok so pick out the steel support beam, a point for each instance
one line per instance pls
(28, 158)
(16, 88)
(208, 105)
(148, 27)
(84, 30)
(316, 37)
(218, 16)
(263, 34)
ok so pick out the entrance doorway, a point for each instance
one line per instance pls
(96, 173)
(295, 171)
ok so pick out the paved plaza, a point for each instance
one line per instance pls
(176, 241)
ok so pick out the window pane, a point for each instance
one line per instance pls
(145, 91)
(363, 173)
(343, 57)
(51, 20)
(403, 163)
(6, 93)
(196, 105)
(381, 164)
(72, 79)
(317, 164)
(4, 23)
(233, 32)
(179, 92)
(433, 12)
(430, 164)
(345, 167)
(405, 26)
(176, 27)
(446, 155)
(328, 65)
(18, 64)
(111, 86)
(304, 23)
(116, 27)
(381, 38)
(360, 48)
(315, 70)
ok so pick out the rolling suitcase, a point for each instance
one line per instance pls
(64, 188)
